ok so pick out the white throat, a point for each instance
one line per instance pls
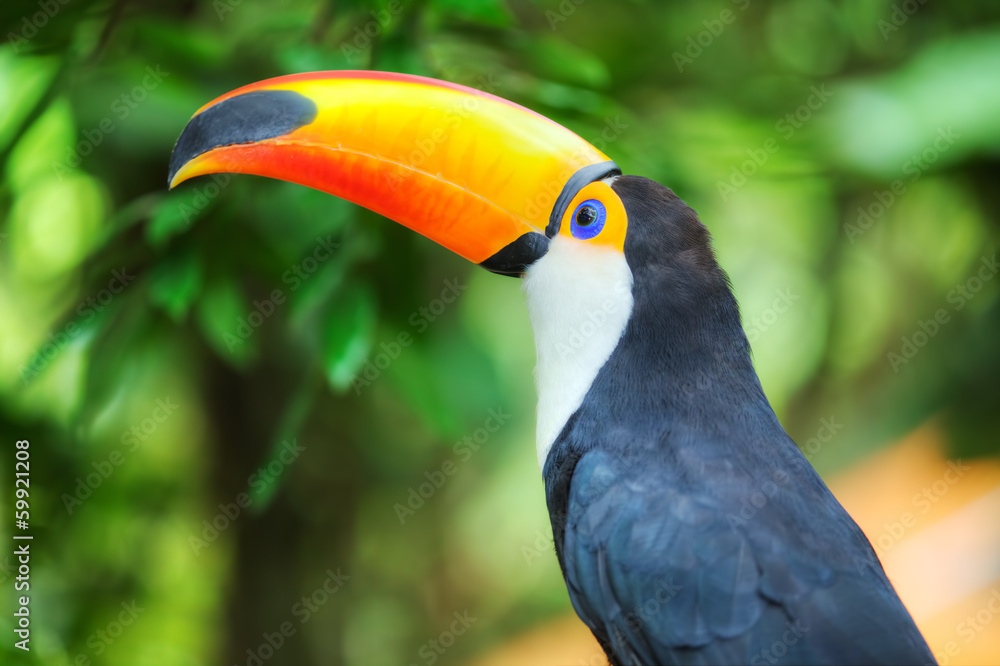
(579, 301)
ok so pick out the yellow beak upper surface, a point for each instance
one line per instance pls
(467, 169)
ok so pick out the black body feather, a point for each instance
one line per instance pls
(689, 526)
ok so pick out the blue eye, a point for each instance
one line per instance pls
(588, 219)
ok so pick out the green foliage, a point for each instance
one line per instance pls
(787, 125)
(348, 337)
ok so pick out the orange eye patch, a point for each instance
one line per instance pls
(596, 215)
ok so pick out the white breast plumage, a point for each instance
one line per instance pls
(579, 301)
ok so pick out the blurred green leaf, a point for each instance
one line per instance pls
(556, 59)
(176, 282)
(172, 216)
(491, 12)
(55, 223)
(45, 149)
(347, 338)
(412, 375)
(223, 317)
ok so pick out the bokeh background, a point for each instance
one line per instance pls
(222, 478)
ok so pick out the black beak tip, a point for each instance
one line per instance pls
(246, 118)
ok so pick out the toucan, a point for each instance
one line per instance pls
(689, 527)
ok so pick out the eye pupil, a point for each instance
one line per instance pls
(586, 216)
(588, 219)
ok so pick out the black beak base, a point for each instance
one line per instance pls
(513, 260)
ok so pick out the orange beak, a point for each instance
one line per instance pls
(471, 171)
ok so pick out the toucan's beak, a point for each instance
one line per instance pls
(478, 174)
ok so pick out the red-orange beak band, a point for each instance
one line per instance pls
(478, 174)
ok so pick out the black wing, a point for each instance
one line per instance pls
(667, 573)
